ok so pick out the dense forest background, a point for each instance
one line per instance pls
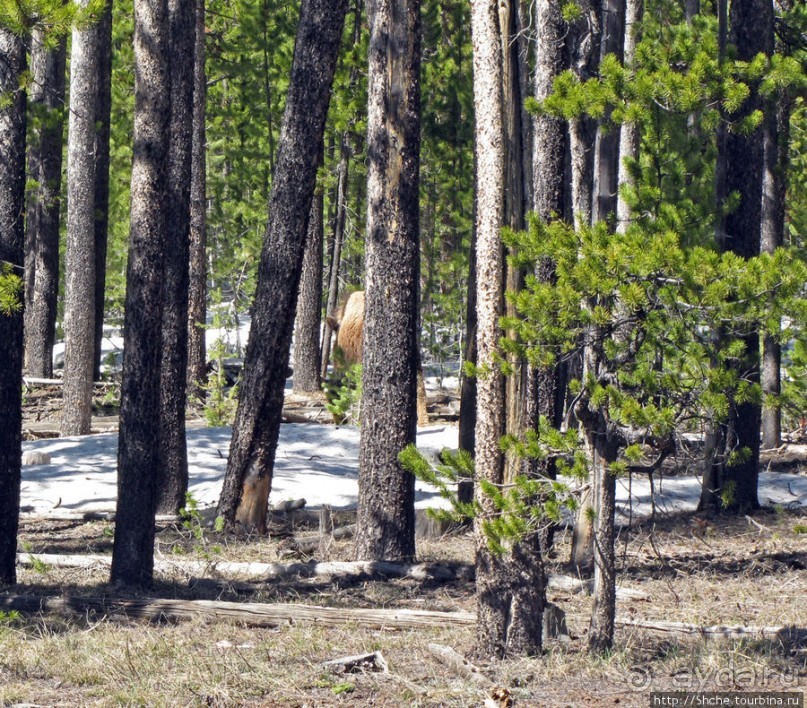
(249, 52)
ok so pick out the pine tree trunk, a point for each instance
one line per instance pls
(513, 66)
(140, 426)
(774, 189)
(583, 47)
(467, 421)
(42, 227)
(79, 300)
(336, 253)
(385, 527)
(584, 54)
(606, 143)
(549, 184)
(12, 237)
(714, 435)
(173, 470)
(257, 423)
(549, 133)
(602, 452)
(492, 606)
(751, 32)
(103, 110)
(197, 277)
(629, 135)
(309, 304)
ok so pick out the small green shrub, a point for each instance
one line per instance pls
(343, 394)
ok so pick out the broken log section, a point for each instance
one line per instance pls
(374, 661)
(459, 664)
(790, 634)
(571, 584)
(250, 613)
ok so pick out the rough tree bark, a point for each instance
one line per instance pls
(12, 237)
(495, 576)
(775, 143)
(521, 569)
(549, 184)
(776, 139)
(583, 42)
(467, 421)
(601, 447)
(257, 423)
(138, 448)
(386, 513)
(79, 300)
(172, 482)
(751, 32)
(309, 304)
(519, 396)
(715, 433)
(42, 213)
(103, 109)
(197, 276)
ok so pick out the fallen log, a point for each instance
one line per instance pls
(36, 381)
(459, 664)
(250, 613)
(258, 571)
(575, 585)
(783, 633)
(279, 571)
(89, 516)
(313, 415)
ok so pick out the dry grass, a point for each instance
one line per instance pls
(731, 572)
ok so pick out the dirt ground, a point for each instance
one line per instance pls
(730, 571)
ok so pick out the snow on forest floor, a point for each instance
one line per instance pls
(318, 463)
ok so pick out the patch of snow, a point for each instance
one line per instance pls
(316, 462)
(320, 464)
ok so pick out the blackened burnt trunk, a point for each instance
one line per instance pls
(386, 514)
(751, 32)
(103, 112)
(309, 304)
(257, 423)
(197, 268)
(549, 144)
(138, 443)
(12, 199)
(173, 469)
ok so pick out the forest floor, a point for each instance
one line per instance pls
(722, 571)
(680, 568)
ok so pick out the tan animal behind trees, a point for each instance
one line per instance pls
(349, 328)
